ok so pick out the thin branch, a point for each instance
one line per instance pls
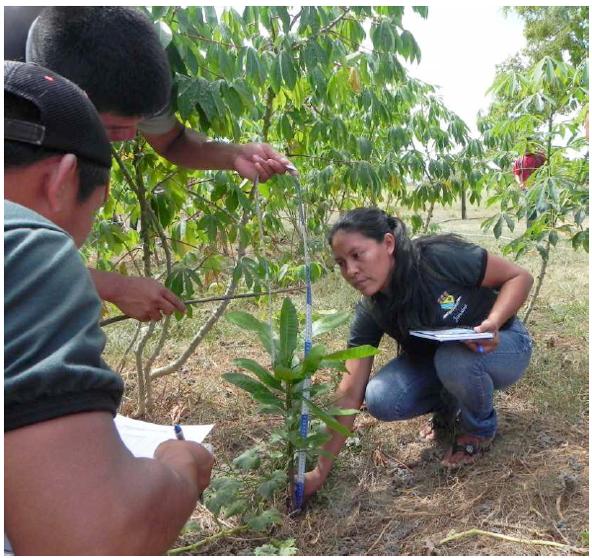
(475, 532)
(130, 346)
(122, 317)
(341, 161)
(333, 23)
(220, 535)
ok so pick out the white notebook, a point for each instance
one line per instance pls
(452, 334)
(142, 438)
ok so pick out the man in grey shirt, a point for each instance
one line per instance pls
(71, 487)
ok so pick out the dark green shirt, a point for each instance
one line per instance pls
(456, 294)
(52, 341)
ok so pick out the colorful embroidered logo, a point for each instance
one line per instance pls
(446, 301)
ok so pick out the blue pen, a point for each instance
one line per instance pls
(179, 432)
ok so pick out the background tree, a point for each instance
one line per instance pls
(555, 31)
(326, 86)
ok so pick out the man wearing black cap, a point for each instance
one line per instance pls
(70, 485)
(115, 55)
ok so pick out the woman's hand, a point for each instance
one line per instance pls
(485, 345)
(313, 481)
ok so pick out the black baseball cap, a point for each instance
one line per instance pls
(68, 120)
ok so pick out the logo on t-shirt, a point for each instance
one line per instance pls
(449, 305)
(446, 301)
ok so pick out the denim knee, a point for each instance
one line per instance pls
(382, 403)
(391, 399)
(454, 362)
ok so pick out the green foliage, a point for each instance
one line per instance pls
(555, 30)
(277, 548)
(351, 119)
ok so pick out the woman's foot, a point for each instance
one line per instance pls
(438, 427)
(466, 450)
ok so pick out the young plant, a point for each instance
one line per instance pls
(279, 390)
(243, 493)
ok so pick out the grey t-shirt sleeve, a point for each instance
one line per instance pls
(158, 124)
(462, 264)
(52, 341)
(364, 329)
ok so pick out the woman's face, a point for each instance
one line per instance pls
(364, 263)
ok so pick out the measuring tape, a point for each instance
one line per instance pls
(304, 416)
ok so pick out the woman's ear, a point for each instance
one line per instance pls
(390, 243)
(61, 182)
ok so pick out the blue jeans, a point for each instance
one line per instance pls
(453, 378)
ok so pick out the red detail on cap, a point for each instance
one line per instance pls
(48, 78)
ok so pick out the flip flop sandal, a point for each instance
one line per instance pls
(469, 448)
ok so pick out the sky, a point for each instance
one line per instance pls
(460, 46)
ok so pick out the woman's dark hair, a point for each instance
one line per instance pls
(410, 300)
(17, 154)
(112, 52)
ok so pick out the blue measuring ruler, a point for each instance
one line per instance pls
(304, 413)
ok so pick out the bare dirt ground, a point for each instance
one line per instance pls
(387, 494)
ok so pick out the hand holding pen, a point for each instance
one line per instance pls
(180, 436)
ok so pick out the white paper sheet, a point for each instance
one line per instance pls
(142, 438)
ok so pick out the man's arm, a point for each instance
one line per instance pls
(186, 148)
(72, 488)
(141, 298)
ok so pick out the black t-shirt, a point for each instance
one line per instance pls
(458, 299)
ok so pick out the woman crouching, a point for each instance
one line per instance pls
(428, 282)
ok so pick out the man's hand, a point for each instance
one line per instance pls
(141, 298)
(189, 459)
(259, 159)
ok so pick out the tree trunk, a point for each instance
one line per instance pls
(539, 284)
(429, 216)
(463, 204)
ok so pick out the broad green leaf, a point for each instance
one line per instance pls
(288, 332)
(246, 321)
(265, 520)
(362, 351)
(327, 419)
(382, 36)
(222, 491)
(255, 70)
(421, 10)
(278, 548)
(288, 374)
(497, 229)
(259, 371)
(274, 483)
(288, 70)
(237, 507)
(337, 412)
(275, 75)
(248, 460)
(255, 388)
(313, 359)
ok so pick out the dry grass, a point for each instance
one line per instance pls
(387, 494)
